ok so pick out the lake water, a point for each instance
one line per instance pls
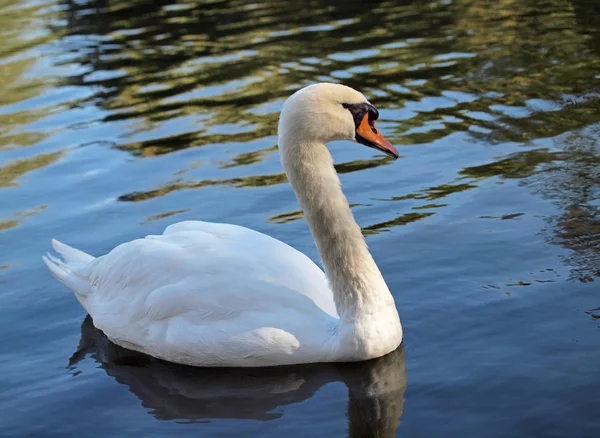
(119, 118)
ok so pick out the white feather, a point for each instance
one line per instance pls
(211, 294)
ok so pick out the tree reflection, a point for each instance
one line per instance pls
(499, 71)
(20, 35)
(12, 170)
(156, 61)
(571, 178)
(575, 187)
(19, 217)
(247, 181)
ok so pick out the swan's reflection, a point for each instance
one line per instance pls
(170, 391)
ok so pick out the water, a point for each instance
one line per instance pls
(119, 118)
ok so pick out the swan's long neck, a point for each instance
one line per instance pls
(357, 284)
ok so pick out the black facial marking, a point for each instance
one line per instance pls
(358, 111)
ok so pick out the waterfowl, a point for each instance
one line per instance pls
(222, 295)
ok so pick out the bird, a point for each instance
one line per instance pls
(170, 391)
(222, 295)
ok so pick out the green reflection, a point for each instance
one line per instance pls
(570, 178)
(223, 62)
(5, 225)
(492, 71)
(19, 217)
(427, 206)
(284, 218)
(248, 181)
(575, 187)
(398, 221)
(518, 165)
(12, 170)
(433, 193)
(160, 216)
(21, 33)
(249, 157)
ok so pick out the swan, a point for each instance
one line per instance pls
(221, 295)
(170, 391)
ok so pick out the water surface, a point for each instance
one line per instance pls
(119, 118)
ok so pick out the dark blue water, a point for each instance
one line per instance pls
(119, 118)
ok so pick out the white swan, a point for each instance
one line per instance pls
(208, 294)
(169, 392)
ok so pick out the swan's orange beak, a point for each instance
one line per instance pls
(369, 135)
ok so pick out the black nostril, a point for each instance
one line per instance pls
(373, 113)
(374, 130)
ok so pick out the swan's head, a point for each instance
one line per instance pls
(325, 112)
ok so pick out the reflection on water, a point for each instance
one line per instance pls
(173, 392)
(12, 170)
(160, 216)
(575, 186)
(249, 181)
(19, 217)
(473, 72)
(118, 118)
(185, 75)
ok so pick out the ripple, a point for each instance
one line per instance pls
(248, 181)
(13, 170)
(493, 209)
(159, 216)
(403, 219)
(19, 217)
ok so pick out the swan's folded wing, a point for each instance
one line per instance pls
(210, 269)
(191, 294)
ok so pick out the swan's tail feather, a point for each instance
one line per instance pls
(65, 271)
(71, 254)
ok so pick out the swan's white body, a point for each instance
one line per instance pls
(209, 294)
